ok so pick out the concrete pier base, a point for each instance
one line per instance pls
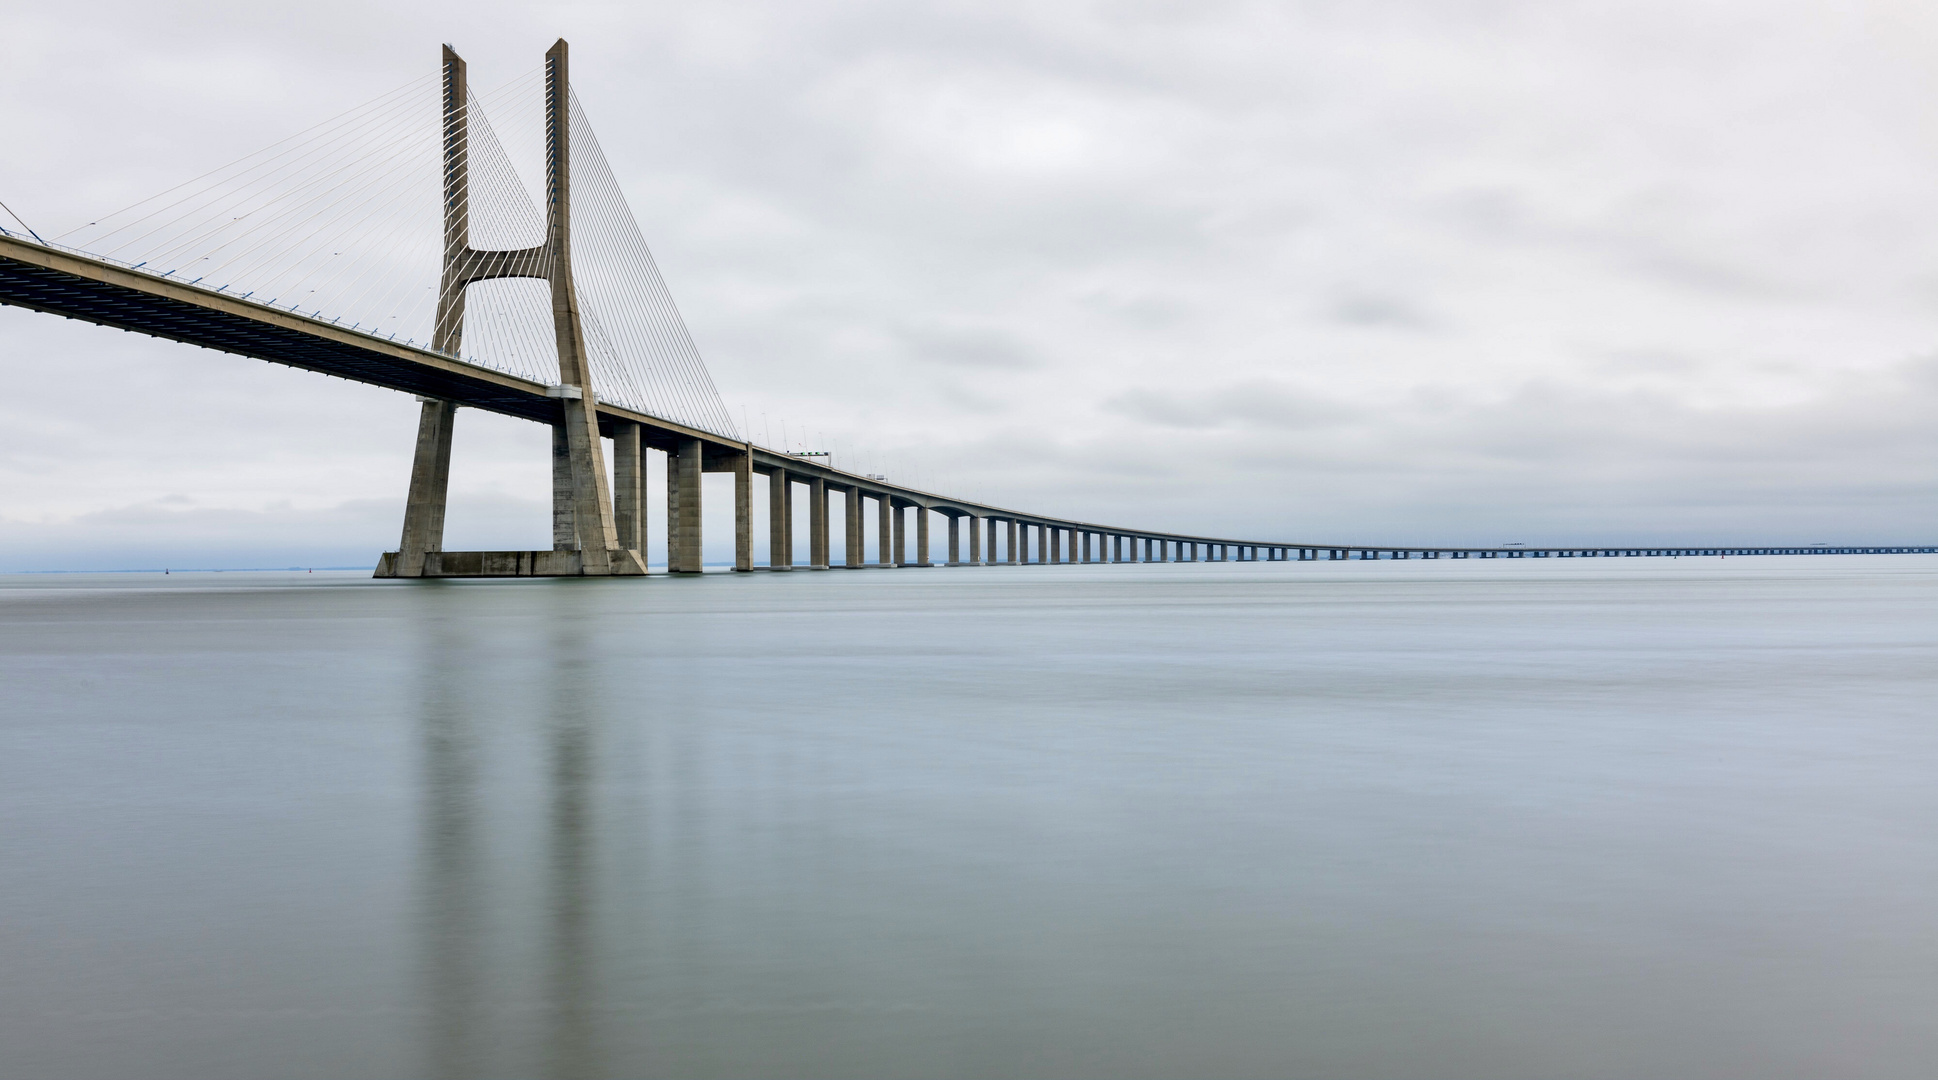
(453, 564)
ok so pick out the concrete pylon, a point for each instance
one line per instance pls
(430, 474)
(592, 499)
(885, 525)
(584, 518)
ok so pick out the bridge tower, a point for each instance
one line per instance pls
(584, 519)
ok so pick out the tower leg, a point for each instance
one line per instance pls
(430, 480)
(591, 496)
(565, 528)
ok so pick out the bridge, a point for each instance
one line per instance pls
(570, 329)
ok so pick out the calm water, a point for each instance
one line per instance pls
(1504, 819)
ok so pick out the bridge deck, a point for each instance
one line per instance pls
(75, 285)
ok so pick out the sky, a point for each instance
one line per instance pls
(1440, 272)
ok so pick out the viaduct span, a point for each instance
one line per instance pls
(600, 521)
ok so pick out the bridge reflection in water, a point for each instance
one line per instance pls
(478, 1015)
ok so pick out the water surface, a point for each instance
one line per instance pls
(1488, 818)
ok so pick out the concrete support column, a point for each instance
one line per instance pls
(565, 524)
(975, 541)
(1045, 544)
(1011, 549)
(955, 540)
(899, 522)
(851, 510)
(628, 487)
(743, 510)
(921, 535)
(688, 532)
(885, 521)
(430, 482)
(818, 524)
(672, 511)
(1086, 545)
(780, 515)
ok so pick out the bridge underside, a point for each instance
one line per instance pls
(251, 333)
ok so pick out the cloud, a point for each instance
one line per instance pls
(1259, 404)
(984, 348)
(1413, 270)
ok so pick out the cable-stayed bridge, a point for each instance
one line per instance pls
(399, 245)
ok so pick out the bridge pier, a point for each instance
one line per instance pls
(818, 524)
(887, 529)
(852, 542)
(743, 510)
(780, 521)
(628, 487)
(975, 540)
(684, 531)
(921, 535)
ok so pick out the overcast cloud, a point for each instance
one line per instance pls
(1409, 272)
